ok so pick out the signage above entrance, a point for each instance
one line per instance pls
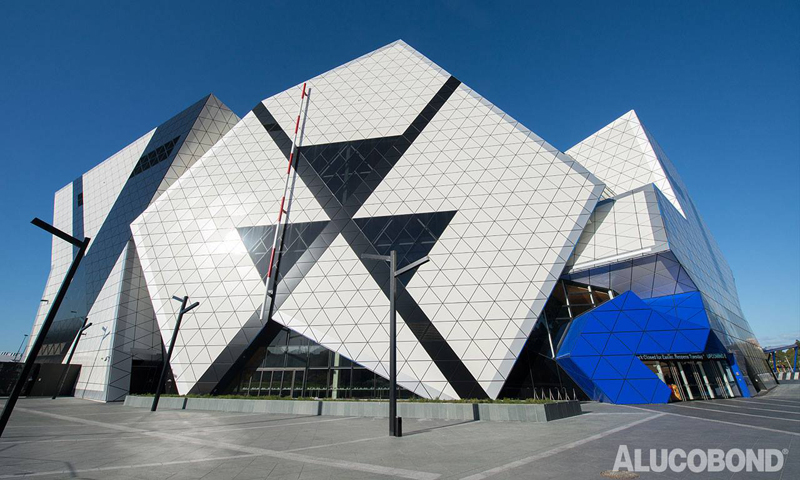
(684, 356)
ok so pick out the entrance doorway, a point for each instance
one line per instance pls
(696, 379)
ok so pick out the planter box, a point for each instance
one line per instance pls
(166, 403)
(438, 411)
(289, 407)
(491, 412)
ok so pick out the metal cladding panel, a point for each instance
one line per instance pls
(627, 158)
(395, 154)
(104, 183)
(621, 155)
(376, 95)
(622, 227)
(61, 257)
(108, 286)
(600, 350)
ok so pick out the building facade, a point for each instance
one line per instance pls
(109, 287)
(587, 272)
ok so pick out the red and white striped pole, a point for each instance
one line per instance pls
(283, 205)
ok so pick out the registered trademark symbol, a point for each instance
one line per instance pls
(785, 451)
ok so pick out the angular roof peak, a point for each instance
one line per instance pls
(624, 157)
(375, 95)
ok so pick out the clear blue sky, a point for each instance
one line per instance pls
(718, 84)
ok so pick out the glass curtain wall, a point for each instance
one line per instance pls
(536, 373)
(294, 366)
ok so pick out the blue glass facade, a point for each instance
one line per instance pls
(602, 348)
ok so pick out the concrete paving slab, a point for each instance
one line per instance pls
(69, 438)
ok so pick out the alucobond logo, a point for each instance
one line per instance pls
(698, 460)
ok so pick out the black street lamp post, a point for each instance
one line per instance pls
(69, 358)
(18, 356)
(163, 378)
(395, 422)
(82, 245)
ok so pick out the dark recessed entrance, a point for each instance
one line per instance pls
(694, 377)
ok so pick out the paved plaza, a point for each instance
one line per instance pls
(68, 438)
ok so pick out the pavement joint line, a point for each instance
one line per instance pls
(177, 422)
(223, 428)
(756, 427)
(784, 392)
(378, 438)
(360, 440)
(57, 440)
(561, 448)
(780, 401)
(126, 467)
(255, 451)
(739, 413)
(187, 413)
(718, 404)
(765, 401)
(44, 426)
(612, 413)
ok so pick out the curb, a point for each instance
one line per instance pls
(491, 412)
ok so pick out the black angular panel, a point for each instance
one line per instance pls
(297, 240)
(342, 176)
(412, 236)
(155, 156)
(115, 232)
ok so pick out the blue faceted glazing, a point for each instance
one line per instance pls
(600, 349)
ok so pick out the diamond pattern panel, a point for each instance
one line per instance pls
(376, 95)
(621, 156)
(103, 184)
(375, 158)
(108, 286)
(623, 227)
(337, 304)
(625, 155)
(212, 123)
(60, 259)
(298, 238)
(189, 243)
(521, 206)
(95, 350)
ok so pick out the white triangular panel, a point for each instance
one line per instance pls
(358, 326)
(621, 156)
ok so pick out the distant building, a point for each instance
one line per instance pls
(9, 357)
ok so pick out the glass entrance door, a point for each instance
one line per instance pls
(695, 379)
(715, 380)
(727, 378)
(674, 381)
(694, 383)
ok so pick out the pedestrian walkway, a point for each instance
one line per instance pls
(67, 438)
